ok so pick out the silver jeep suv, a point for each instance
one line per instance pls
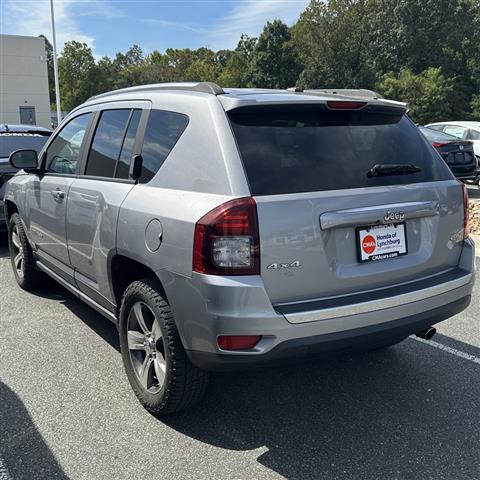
(232, 228)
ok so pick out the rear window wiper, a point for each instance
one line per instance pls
(382, 169)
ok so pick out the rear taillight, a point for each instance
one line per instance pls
(466, 213)
(438, 144)
(340, 105)
(226, 240)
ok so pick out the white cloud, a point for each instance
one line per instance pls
(32, 18)
(250, 16)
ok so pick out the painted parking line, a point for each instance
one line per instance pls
(453, 351)
(4, 475)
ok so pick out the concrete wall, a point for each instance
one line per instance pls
(23, 79)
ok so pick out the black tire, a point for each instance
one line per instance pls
(183, 385)
(21, 255)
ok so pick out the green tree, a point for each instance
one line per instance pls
(239, 68)
(427, 94)
(418, 34)
(331, 40)
(133, 56)
(76, 69)
(475, 107)
(106, 75)
(274, 61)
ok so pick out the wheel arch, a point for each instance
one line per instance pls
(10, 209)
(124, 270)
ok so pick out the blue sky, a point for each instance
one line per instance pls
(109, 26)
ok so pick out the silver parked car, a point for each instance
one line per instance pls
(233, 228)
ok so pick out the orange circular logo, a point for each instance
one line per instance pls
(369, 244)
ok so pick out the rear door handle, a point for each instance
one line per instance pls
(58, 195)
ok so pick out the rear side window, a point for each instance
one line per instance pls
(474, 135)
(107, 143)
(310, 148)
(123, 168)
(161, 134)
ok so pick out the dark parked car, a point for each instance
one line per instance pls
(16, 137)
(458, 154)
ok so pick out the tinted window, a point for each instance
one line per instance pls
(162, 132)
(306, 149)
(123, 167)
(9, 142)
(64, 151)
(107, 143)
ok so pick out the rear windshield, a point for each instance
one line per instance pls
(310, 148)
(9, 142)
(436, 136)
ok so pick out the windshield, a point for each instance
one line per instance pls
(9, 142)
(309, 148)
(436, 136)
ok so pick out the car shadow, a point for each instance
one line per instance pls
(408, 412)
(4, 245)
(394, 413)
(90, 317)
(23, 452)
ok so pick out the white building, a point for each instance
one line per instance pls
(24, 96)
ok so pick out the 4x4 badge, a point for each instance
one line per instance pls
(277, 266)
(394, 216)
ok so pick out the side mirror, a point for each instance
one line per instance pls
(136, 167)
(24, 159)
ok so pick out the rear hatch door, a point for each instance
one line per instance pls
(319, 208)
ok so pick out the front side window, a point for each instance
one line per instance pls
(64, 151)
(107, 143)
(162, 133)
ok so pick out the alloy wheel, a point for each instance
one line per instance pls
(17, 250)
(146, 347)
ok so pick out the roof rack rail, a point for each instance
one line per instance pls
(204, 87)
(345, 92)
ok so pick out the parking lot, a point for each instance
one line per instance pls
(67, 411)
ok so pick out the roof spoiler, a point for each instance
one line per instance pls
(345, 92)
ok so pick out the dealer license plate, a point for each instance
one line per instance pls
(381, 241)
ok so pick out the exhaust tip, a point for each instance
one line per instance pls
(427, 334)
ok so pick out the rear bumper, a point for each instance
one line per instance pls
(207, 306)
(357, 339)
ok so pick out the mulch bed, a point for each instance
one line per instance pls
(475, 217)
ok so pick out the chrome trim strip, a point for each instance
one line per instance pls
(374, 215)
(380, 304)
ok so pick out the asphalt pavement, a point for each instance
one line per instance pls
(66, 410)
